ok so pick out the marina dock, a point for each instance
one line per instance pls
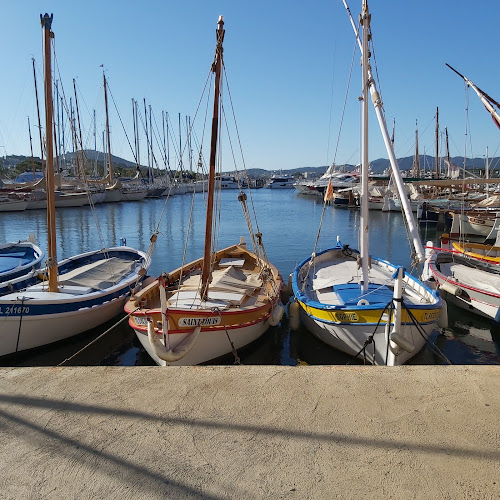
(250, 432)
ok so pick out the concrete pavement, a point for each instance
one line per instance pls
(250, 432)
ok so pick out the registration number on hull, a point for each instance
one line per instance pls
(347, 316)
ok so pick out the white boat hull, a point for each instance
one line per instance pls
(350, 340)
(479, 294)
(209, 345)
(37, 331)
(13, 206)
(93, 288)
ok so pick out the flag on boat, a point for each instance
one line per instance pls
(329, 192)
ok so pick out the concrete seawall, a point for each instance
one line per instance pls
(250, 432)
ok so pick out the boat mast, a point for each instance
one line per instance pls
(379, 111)
(416, 157)
(31, 147)
(110, 170)
(216, 68)
(437, 143)
(38, 114)
(364, 224)
(46, 21)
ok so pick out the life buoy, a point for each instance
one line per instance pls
(363, 302)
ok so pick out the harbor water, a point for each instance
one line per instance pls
(289, 224)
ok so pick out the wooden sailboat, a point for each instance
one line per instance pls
(359, 304)
(76, 294)
(216, 304)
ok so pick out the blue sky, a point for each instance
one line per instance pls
(287, 62)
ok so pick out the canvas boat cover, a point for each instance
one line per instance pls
(99, 275)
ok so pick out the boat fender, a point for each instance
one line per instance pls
(443, 316)
(294, 315)
(363, 302)
(402, 342)
(276, 314)
(451, 289)
(171, 355)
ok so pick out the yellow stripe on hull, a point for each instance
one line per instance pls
(371, 316)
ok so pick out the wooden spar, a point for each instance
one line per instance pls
(474, 86)
(437, 143)
(216, 68)
(51, 210)
(110, 171)
(364, 225)
(455, 182)
(38, 113)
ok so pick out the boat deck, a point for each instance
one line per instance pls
(231, 286)
(337, 283)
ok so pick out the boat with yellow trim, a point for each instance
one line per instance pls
(335, 309)
(478, 251)
(361, 305)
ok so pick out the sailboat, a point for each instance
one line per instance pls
(218, 303)
(19, 264)
(78, 293)
(470, 283)
(359, 304)
(468, 274)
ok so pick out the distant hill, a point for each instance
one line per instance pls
(378, 166)
(93, 155)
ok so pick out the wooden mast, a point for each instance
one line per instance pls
(216, 68)
(110, 170)
(51, 211)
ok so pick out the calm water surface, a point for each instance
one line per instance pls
(289, 224)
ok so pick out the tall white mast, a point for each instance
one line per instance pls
(364, 226)
(398, 180)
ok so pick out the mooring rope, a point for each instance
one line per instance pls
(97, 338)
